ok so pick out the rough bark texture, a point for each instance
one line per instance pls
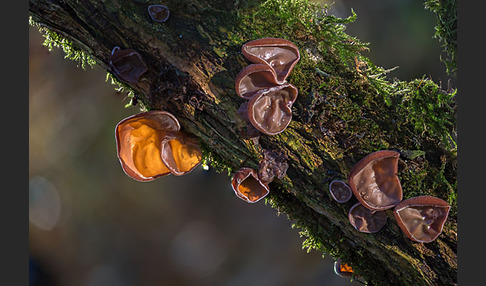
(346, 109)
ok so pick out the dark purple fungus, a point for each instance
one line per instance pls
(158, 13)
(127, 65)
(340, 191)
(272, 165)
(374, 180)
(269, 110)
(422, 218)
(281, 55)
(366, 220)
(248, 187)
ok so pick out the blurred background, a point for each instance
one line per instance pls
(90, 224)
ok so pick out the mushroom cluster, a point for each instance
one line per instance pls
(128, 65)
(374, 182)
(263, 83)
(151, 145)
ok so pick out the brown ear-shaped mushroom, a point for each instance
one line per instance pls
(253, 78)
(342, 269)
(270, 109)
(180, 153)
(280, 54)
(374, 180)
(138, 141)
(248, 187)
(366, 220)
(158, 13)
(340, 191)
(127, 65)
(422, 218)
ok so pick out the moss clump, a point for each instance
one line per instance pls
(446, 29)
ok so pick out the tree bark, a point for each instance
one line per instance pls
(346, 109)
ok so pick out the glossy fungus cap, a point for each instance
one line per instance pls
(374, 180)
(342, 269)
(248, 187)
(366, 220)
(158, 13)
(422, 218)
(127, 65)
(253, 78)
(180, 153)
(270, 111)
(280, 54)
(340, 191)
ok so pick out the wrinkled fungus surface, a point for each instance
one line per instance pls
(280, 54)
(270, 109)
(127, 65)
(366, 220)
(150, 145)
(158, 13)
(273, 164)
(422, 218)
(253, 78)
(248, 187)
(374, 180)
(340, 191)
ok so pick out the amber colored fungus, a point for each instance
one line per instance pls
(127, 65)
(365, 220)
(374, 180)
(181, 154)
(158, 13)
(270, 109)
(142, 138)
(280, 54)
(342, 269)
(248, 187)
(422, 218)
(340, 191)
(253, 78)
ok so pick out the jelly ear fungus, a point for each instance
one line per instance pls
(269, 110)
(366, 220)
(280, 54)
(340, 191)
(422, 218)
(374, 181)
(253, 78)
(127, 65)
(158, 13)
(248, 187)
(150, 145)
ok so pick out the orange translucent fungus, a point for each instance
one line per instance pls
(345, 268)
(150, 145)
(248, 187)
(181, 154)
(342, 269)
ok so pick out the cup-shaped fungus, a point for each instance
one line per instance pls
(158, 13)
(340, 191)
(127, 65)
(366, 220)
(150, 145)
(342, 269)
(280, 54)
(270, 109)
(422, 218)
(254, 78)
(374, 180)
(248, 187)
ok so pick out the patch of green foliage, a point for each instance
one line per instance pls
(72, 52)
(446, 29)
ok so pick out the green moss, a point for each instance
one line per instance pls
(72, 52)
